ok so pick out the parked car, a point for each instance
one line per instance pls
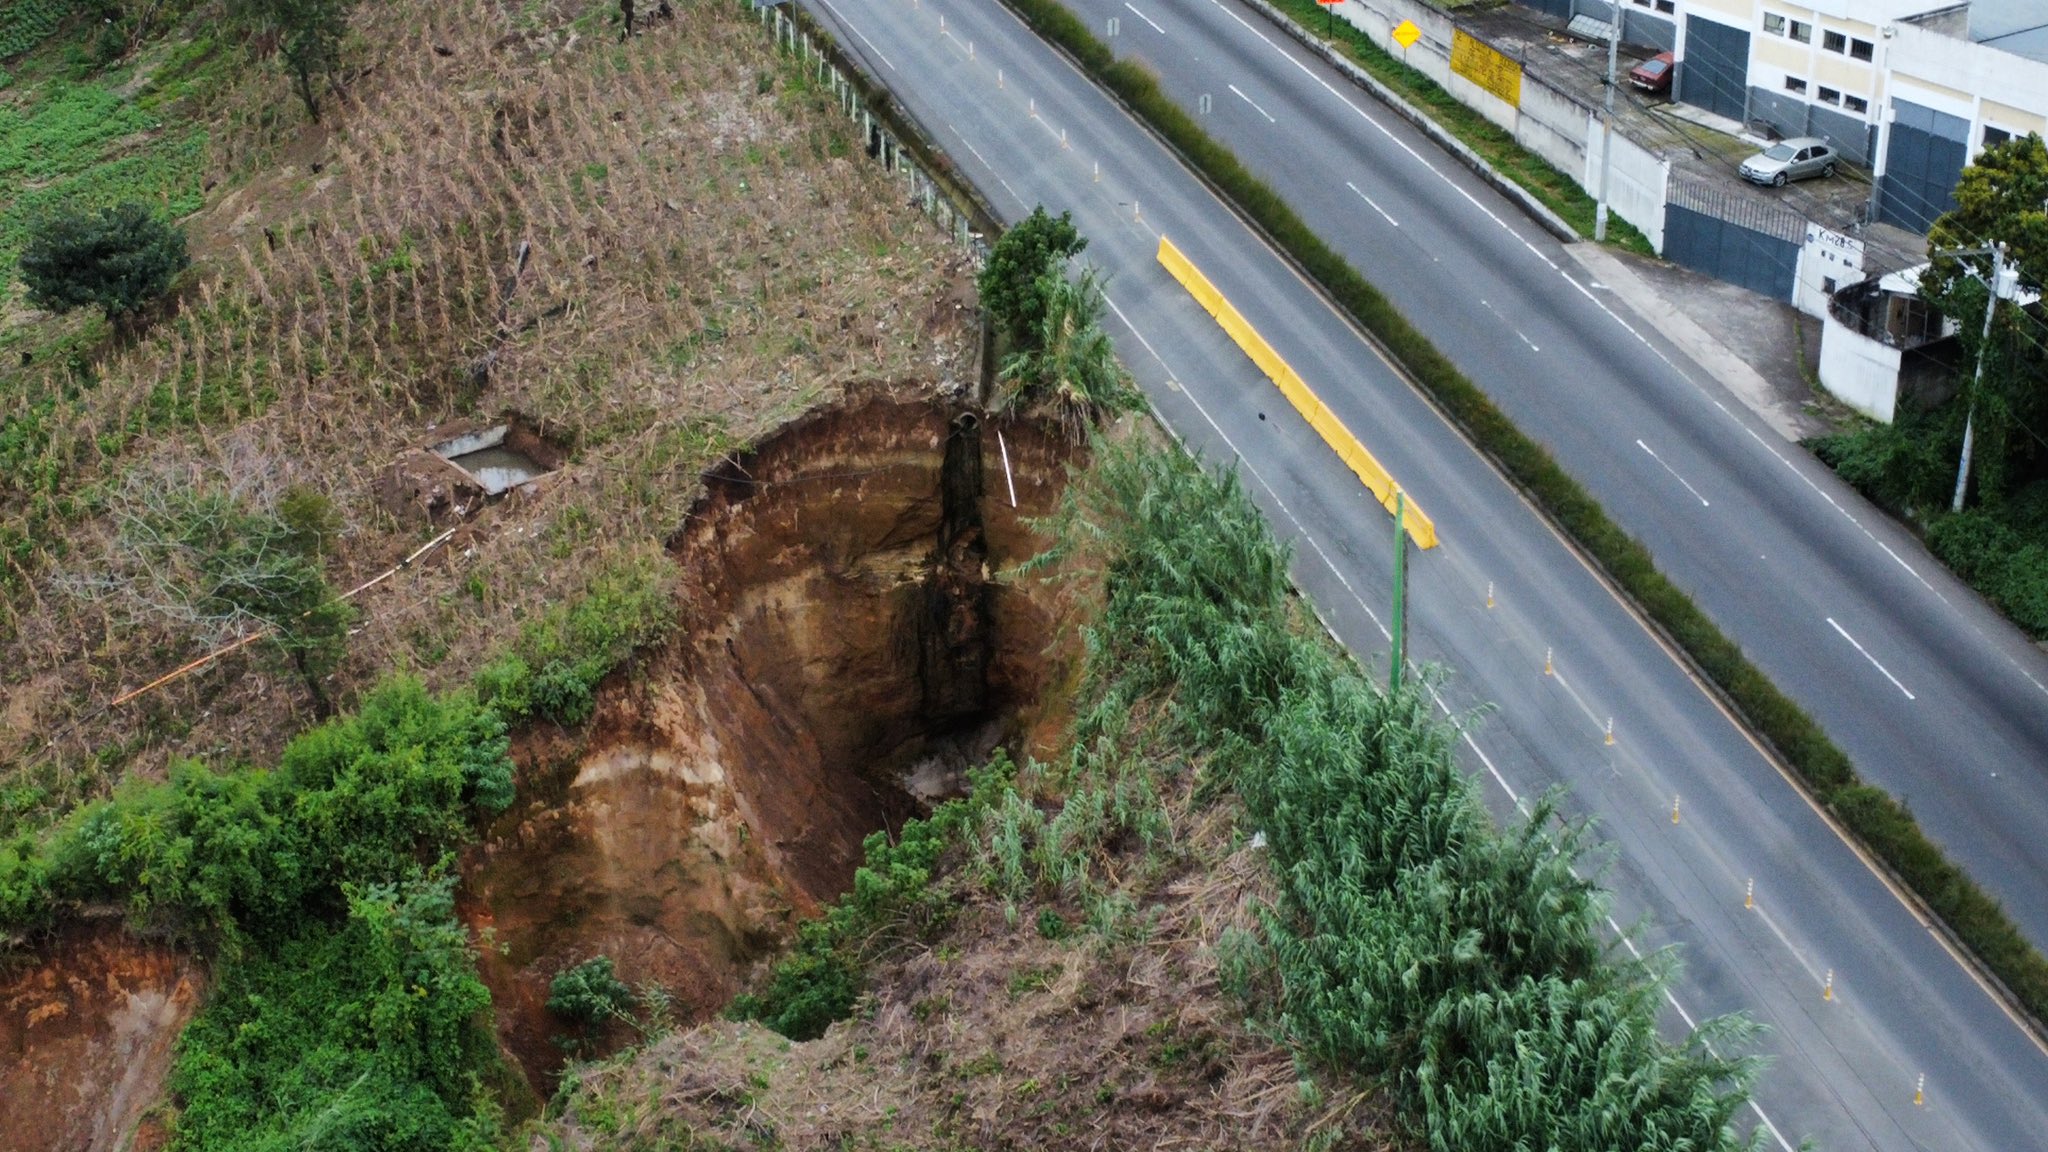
(1794, 159)
(1654, 75)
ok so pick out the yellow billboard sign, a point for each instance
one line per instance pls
(1482, 64)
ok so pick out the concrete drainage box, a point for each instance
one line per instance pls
(489, 462)
(467, 467)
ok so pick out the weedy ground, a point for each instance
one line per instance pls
(706, 254)
(1033, 1019)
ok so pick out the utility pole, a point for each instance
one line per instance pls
(1977, 380)
(1607, 126)
(1400, 628)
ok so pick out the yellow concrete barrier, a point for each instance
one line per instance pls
(1421, 528)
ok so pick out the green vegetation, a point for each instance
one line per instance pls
(1049, 326)
(1556, 190)
(307, 35)
(1877, 820)
(1411, 939)
(118, 259)
(24, 24)
(369, 1034)
(1069, 360)
(590, 996)
(1012, 285)
(72, 147)
(893, 899)
(349, 1011)
(553, 669)
(1999, 541)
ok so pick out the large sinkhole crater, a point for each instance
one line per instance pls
(847, 648)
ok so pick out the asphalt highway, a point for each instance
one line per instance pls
(1861, 998)
(1936, 698)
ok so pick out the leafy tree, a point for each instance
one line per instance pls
(1069, 358)
(1012, 284)
(307, 35)
(2001, 198)
(118, 258)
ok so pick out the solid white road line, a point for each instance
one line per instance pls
(1254, 104)
(1375, 205)
(1872, 659)
(1146, 19)
(1674, 474)
(837, 15)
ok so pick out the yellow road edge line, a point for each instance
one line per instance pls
(1421, 528)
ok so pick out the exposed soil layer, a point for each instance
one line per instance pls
(86, 1035)
(847, 647)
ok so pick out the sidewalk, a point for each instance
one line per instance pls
(1751, 345)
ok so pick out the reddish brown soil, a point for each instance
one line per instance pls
(837, 632)
(86, 1036)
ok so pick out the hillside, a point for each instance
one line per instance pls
(705, 255)
(819, 754)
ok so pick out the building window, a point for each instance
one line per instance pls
(1993, 137)
(1859, 49)
(1834, 42)
(1801, 31)
(1667, 5)
(1794, 84)
(1774, 24)
(1856, 104)
(1828, 95)
(1827, 285)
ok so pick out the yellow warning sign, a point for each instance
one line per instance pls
(1406, 33)
(1479, 62)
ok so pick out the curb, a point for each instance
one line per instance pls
(1541, 212)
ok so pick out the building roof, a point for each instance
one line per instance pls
(2016, 26)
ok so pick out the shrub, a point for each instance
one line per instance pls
(893, 897)
(591, 994)
(120, 259)
(245, 853)
(554, 667)
(367, 1034)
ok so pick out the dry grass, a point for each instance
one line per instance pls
(708, 254)
(994, 1037)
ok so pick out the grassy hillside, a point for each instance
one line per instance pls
(705, 255)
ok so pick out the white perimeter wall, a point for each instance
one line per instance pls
(1551, 122)
(1861, 372)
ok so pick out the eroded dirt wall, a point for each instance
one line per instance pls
(86, 1037)
(846, 641)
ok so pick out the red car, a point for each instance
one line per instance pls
(1653, 75)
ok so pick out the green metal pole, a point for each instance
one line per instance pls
(1400, 629)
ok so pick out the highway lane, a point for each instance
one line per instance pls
(1027, 129)
(1936, 698)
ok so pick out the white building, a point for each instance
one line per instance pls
(1909, 88)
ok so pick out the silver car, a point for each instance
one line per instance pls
(1794, 159)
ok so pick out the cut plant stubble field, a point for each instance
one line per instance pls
(508, 214)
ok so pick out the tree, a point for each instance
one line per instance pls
(307, 35)
(2002, 198)
(1013, 284)
(119, 258)
(1069, 358)
(227, 563)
